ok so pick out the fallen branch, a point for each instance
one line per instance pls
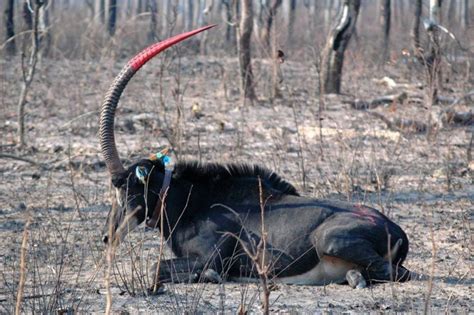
(402, 125)
(465, 96)
(379, 101)
(19, 158)
(41, 165)
(30, 297)
(451, 117)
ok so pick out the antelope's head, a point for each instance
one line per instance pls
(138, 188)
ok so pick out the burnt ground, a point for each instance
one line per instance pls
(423, 182)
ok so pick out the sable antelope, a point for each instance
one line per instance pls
(210, 215)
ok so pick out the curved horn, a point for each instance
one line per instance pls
(107, 113)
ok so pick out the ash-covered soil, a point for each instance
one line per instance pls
(422, 182)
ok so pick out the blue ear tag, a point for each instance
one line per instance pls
(164, 157)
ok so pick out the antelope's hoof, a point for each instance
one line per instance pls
(157, 289)
(210, 275)
(355, 279)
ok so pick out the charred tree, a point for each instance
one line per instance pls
(43, 28)
(228, 19)
(433, 60)
(190, 17)
(27, 16)
(129, 8)
(112, 17)
(465, 15)
(332, 57)
(416, 26)
(166, 8)
(277, 58)
(153, 9)
(435, 11)
(10, 27)
(205, 16)
(101, 5)
(89, 4)
(139, 7)
(269, 12)
(244, 34)
(385, 17)
(327, 14)
(451, 14)
(33, 8)
(291, 21)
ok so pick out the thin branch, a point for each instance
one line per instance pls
(20, 158)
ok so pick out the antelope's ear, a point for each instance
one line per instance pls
(141, 172)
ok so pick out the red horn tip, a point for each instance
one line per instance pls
(145, 55)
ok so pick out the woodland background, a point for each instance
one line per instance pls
(379, 111)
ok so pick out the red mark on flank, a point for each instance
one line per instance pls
(365, 213)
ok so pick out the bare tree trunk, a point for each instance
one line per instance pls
(291, 22)
(112, 17)
(385, 9)
(244, 34)
(327, 14)
(434, 59)
(229, 20)
(332, 58)
(43, 29)
(30, 68)
(190, 17)
(139, 7)
(465, 16)
(276, 60)
(89, 4)
(451, 11)
(416, 26)
(269, 14)
(206, 13)
(199, 12)
(435, 11)
(129, 9)
(102, 11)
(27, 16)
(10, 27)
(164, 16)
(153, 9)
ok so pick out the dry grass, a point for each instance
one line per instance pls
(317, 142)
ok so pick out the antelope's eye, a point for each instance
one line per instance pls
(141, 172)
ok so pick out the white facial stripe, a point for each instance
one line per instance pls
(118, 197)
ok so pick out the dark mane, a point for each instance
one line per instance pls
(200, 172)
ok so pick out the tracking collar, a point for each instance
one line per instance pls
(169, 167)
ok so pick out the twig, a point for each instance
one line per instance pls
(430, 281)
(469, 149)
(21, 284)
(263, 268)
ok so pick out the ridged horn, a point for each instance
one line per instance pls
(107, 113)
